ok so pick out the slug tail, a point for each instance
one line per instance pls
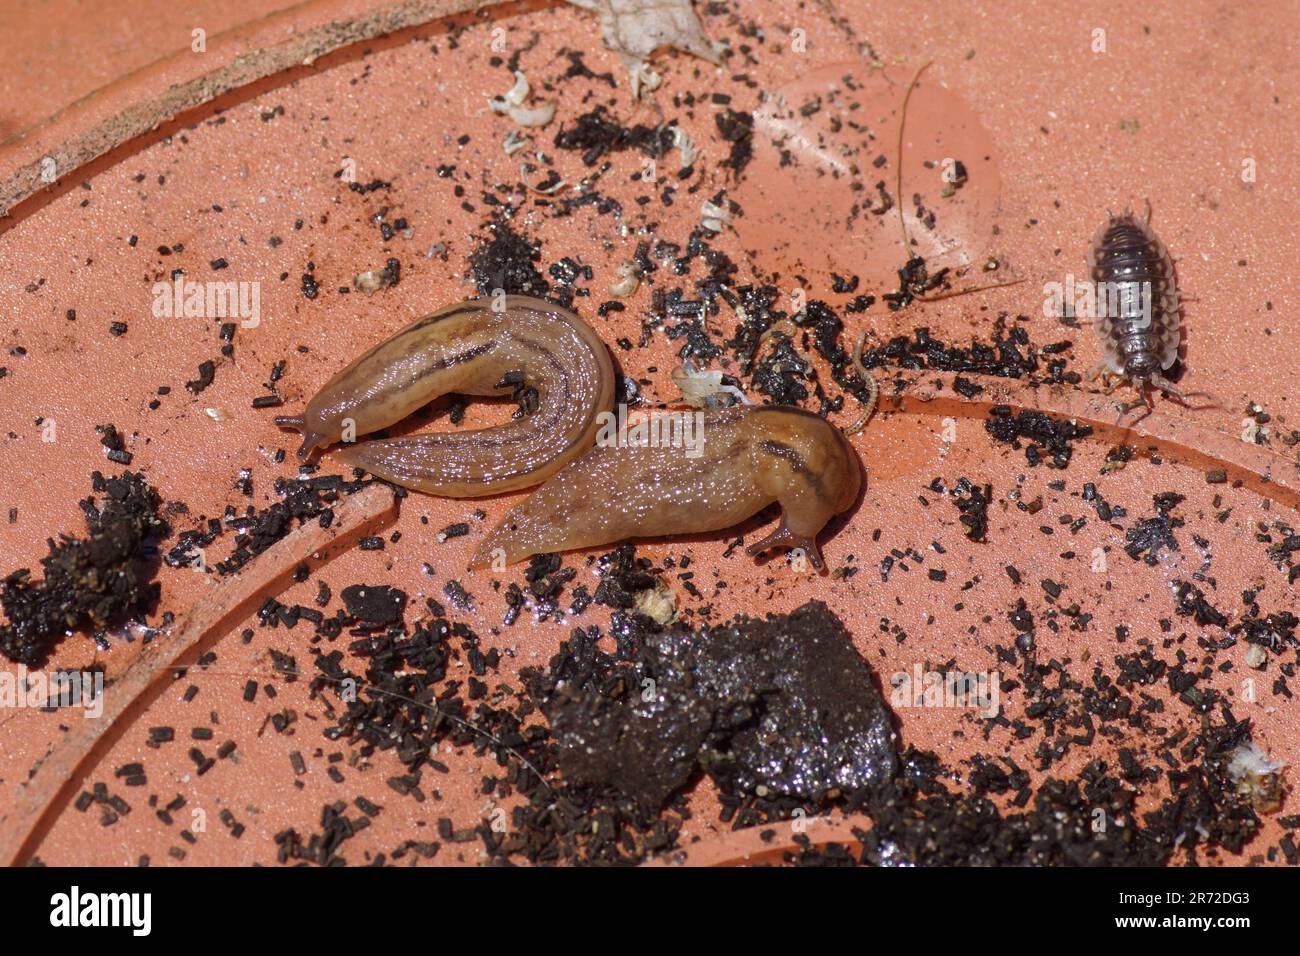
(502, 547)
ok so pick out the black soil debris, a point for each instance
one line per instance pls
(1150, 536)
(92, 582)
(738, 130)
(506, 261)
(1011, 354)
(597, 134)
(973, 502)
(1049, 440)
(773, 346)
(1088, 821)
(914, 279)
(300, 501)
(374, 605)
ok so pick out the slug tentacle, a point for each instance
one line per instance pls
(783, 537)
(310, 439)
(469, 349)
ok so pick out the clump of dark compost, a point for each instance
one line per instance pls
(781, 706)
(597, 133)
(1150, 536)
(738, 130)
(506, 261)
(1049, 440)
(89, 582)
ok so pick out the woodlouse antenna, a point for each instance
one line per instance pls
(1129, 406)
(1169, 388)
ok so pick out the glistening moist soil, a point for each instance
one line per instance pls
(1136, 613)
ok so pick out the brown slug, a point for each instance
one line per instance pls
(470, 349)
(748, 458)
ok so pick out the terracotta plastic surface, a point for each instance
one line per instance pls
(1188, 107)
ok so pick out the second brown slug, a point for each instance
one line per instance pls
(469, 349)
(739, 461)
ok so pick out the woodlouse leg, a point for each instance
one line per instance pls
(1148, 201)
(1125, 409)
(1169, 388)
(1100, 372)
(1143, 389)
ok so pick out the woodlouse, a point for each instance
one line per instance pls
(1138, 312)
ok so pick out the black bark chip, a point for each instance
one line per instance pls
(374, 605)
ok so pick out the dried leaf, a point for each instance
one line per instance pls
(635, 29)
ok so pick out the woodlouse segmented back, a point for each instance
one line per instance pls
(1138, 308)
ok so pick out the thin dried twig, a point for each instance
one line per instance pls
(902, 219)
(898, 173)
